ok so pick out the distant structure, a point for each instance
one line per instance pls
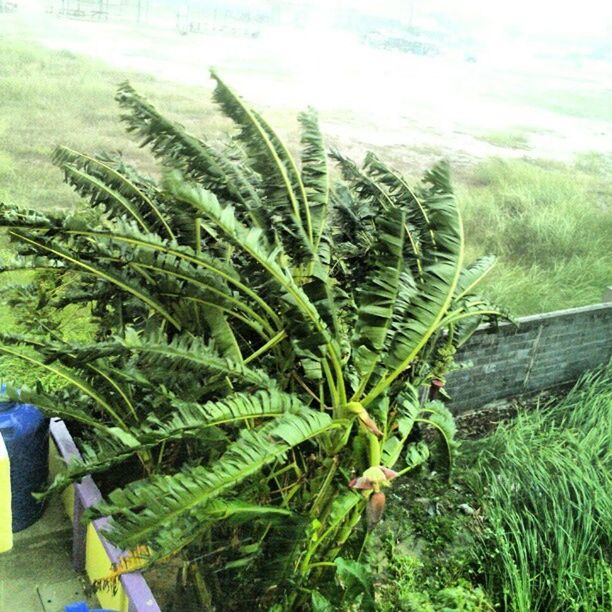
(387, 26)
(8, 7)
(241, 19)
(100, 10)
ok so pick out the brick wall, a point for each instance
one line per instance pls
(544, 351)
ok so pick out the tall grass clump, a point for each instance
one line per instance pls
(515, 138)
(549, 223)
(545, 481)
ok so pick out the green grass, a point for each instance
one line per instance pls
(55, 97)
(538, 530)
(510, 139)
(550, 226)
(545, 482)
(585, 104)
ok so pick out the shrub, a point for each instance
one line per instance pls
(260, 341)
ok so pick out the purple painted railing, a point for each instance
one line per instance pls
(86, 494)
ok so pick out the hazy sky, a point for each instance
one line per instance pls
(533, 19)
(544, 17)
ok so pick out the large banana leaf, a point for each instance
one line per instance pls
(315, 173)
(285, 196)
(104, 184)
(377, 297)
(186, 420)
(146, 509)
(197, 159)
(190, 353)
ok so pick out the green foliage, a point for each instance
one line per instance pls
(406, 592)
(258, 337)
(515, 138)
(422, 560)
(355, 581)
(545, 483)
(550, 225)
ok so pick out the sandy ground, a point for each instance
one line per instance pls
(413, 108)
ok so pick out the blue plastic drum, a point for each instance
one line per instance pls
(26, 436)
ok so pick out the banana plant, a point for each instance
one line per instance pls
(262, 334)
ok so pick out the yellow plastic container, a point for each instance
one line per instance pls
(6, 529)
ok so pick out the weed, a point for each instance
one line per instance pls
(550, 226)
(424, 558)
(545, 481)
(510, 139)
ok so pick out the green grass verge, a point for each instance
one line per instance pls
(545, 482)
(550, 226)
(586, 104)
(510, 139)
